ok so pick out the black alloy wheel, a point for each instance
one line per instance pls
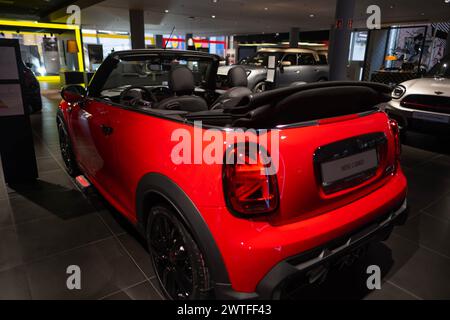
(66, 149)
(177, 260)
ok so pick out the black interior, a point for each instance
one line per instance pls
(182, 85)
(239, 107)
(238, 82)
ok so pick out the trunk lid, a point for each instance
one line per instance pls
(326, 166)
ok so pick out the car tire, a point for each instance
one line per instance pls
(177, 260)
(66, 149)
(260, 87)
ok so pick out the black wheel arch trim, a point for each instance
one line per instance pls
(163, 186)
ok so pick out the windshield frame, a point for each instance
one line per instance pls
(100, 78)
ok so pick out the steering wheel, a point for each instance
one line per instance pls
(161, 92)
(138, 96)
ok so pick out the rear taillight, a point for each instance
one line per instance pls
(396, 133)
(250, 187)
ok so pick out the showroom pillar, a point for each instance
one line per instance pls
(137, 29)
(447, 48)
(159, 41)
(294, 37)
(340, 39)
(190, 41)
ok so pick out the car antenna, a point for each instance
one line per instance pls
(170, 38)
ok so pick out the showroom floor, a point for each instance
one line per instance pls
(48, 226)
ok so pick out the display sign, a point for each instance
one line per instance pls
(8, 64)
(11, 103)
(16, 139)
(271, 69)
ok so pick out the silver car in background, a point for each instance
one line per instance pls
(295, 65)
(423, 104)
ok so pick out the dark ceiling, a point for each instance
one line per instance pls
(37, 9)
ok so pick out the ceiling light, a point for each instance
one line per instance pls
(213, 16)
(447, 1)
(312, 15)
(266, 8)
(166, 11)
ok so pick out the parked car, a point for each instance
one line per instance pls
(32, 92)
(294, 66)
(246, 225)
(424, 104)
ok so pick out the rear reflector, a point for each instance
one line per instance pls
(82, 182)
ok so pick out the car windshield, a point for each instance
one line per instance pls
(260, 59)
(154, 71)
(441, 70)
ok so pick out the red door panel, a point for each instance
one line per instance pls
(91, 135)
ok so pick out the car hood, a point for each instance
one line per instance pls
(223, 70)
(428, 86)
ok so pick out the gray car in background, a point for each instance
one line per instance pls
(295, 65)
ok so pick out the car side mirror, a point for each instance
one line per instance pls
(73, 93)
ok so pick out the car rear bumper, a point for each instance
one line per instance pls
(308, 266)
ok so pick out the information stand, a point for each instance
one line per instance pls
(16, 139)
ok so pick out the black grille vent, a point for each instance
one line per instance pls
(435, 103)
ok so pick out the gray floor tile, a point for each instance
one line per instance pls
(389, 292)
(143, 291)
(429, 232)
(14, 284)
(105, 268)
(136, 247)
(10, 249)
(5, 213)
(412, 157)
(419, 271)
(48, 236)
(440, 209)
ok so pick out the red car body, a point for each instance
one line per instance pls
(132, 164)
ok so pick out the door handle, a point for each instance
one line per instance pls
(107, 131)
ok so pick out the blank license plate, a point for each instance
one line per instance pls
(344, 168)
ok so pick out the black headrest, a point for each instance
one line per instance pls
(237, 77)
(181, 80)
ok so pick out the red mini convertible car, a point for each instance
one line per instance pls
(245, 226)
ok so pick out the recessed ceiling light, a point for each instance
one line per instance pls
(312, 15)
(166, 11)
(447, 1)
(266, 8)
(213, 16)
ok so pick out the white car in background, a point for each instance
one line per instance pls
(423, 104)
(295, 66)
